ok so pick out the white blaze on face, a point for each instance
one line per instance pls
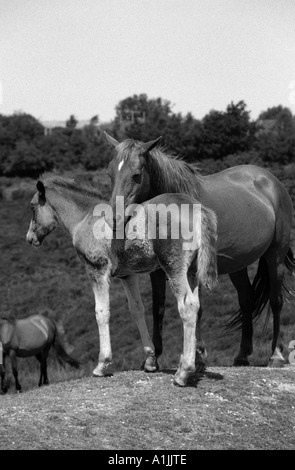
(120, 165)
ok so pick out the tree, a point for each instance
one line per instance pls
(275, 138)
(227, 133)
(72, 122)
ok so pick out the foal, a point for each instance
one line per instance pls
(77, 208)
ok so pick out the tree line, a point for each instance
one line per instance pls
(220, 139)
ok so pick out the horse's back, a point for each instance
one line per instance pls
(32, 334)
(250, 204)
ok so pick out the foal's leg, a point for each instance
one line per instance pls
(100, 285)
(136, 308)
(276, 276)
(188, 306)
(158, 280)
(241, 281)
(12, 355)
(201, 352)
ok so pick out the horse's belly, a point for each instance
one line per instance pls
(25, 352)
(137, 256)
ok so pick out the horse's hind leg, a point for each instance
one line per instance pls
(12, 355)
(276, 277)
(2, 373)
(241, 281)
(42, 358)
(39, 358)
(158, 280)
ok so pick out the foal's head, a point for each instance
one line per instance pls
(127, 170)
(43, 218)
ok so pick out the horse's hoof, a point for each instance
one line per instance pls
(18, 391)
(241, 362)
(276, 363)
(150, 365)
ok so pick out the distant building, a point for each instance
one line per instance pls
(50, 125)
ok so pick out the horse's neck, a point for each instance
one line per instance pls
(69, 213)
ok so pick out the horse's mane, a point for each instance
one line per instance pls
(168, 172)
(82, 191)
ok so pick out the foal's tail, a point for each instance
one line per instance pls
(60, 343)
(207, 253)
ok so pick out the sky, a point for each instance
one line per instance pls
(81, 57)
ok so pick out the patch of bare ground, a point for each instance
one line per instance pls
(223, 408)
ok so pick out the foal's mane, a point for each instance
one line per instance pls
(82, 192)
(168, 172)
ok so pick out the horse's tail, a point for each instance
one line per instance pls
(261, 288)
(60, 343)
(207, 253)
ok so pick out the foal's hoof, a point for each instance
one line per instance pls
(241, 362)
(4, 391)
(102, 371)
(179, 382)
(276, 363)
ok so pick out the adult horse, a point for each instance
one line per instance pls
(77, 207)
(31, 336)
(254, 213)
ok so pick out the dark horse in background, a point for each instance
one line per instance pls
(254, 214)
(31, 336)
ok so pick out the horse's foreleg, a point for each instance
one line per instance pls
(136, 308)
(241, 282)
(188, 306)
(158, 280)
(100, 286)
(13, 358)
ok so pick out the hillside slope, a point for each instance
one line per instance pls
(225, 408)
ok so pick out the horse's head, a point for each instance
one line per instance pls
(127, 170)
(43, 219)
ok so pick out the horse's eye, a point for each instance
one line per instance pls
(137, 178)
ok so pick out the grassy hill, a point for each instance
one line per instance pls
(52, 279)
(224, 408)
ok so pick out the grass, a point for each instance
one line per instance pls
(224, 408)
(53, 280)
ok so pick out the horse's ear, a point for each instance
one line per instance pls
(41, 189)
(148, 146)
(111, 140)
